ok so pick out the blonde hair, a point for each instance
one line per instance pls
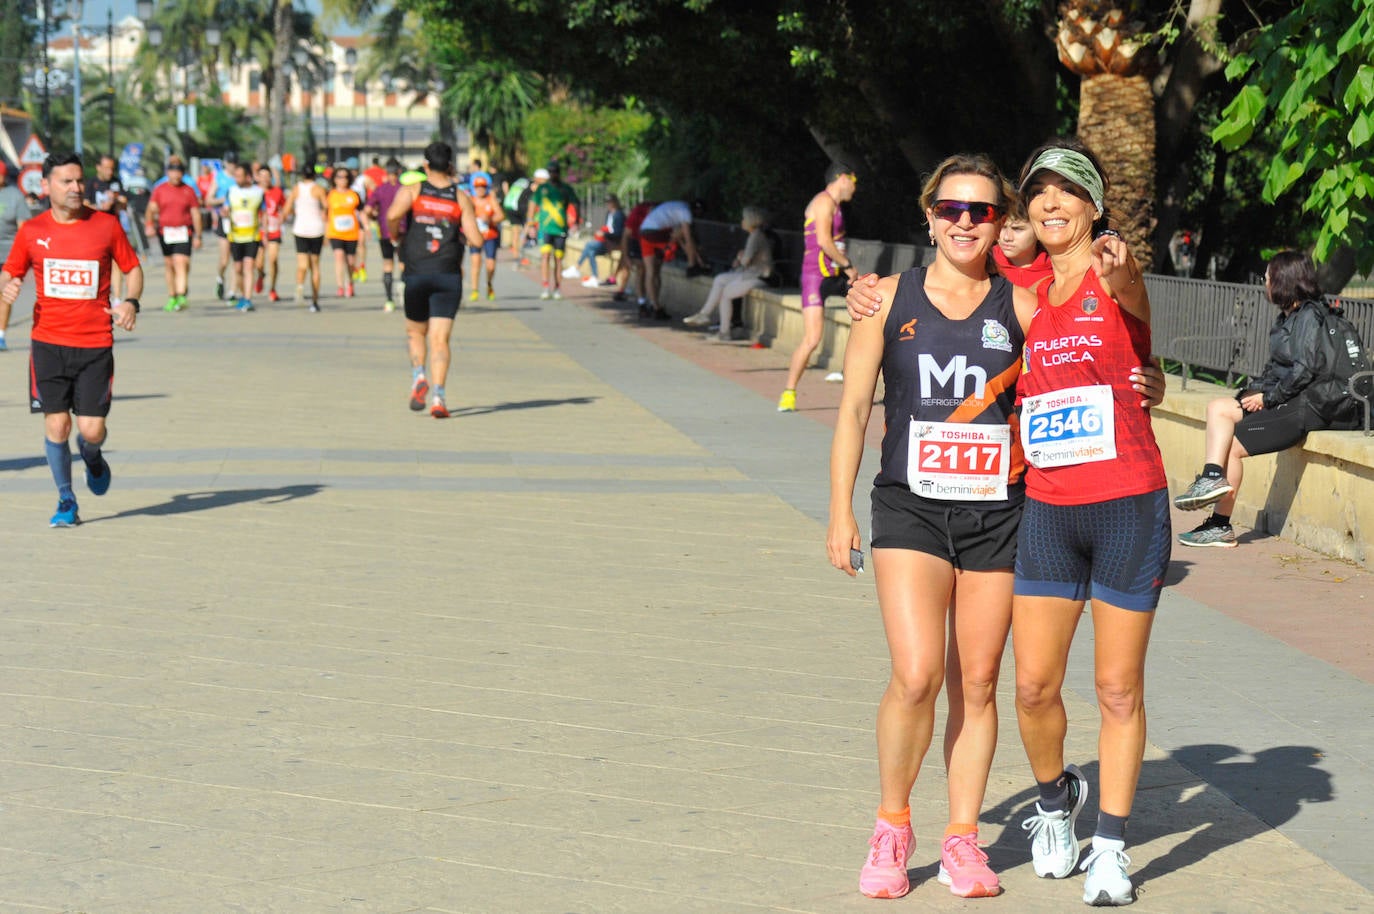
(753, 217)
(964, 164)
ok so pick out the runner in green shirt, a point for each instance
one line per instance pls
(553, 208)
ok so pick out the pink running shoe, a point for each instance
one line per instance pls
(964, 868)
(884, 875)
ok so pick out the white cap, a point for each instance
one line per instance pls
(541, 174)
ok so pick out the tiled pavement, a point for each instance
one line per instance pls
(576, 649)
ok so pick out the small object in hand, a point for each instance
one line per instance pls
(856, 560)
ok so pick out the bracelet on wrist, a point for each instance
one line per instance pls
(134, 302)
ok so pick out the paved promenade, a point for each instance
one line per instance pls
(576, 649)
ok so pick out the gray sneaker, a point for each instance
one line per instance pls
(1204, 491)
(1210, 534)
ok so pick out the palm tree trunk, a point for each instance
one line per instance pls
(283, 33)
(1116, 118)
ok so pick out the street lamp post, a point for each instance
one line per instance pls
(47, 24)
(326, 90)
(109, 88)
(78, 138)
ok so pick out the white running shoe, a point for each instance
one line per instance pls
(1107, 885)
(1054, 846)
(572, 273)
(590, 283)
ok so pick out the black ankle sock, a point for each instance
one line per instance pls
(1213, 471)
(1219, 520)
(1054, 795)
(386, 284)
(1110, 826)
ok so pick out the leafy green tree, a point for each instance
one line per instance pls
(17, 32)
(1308, 100)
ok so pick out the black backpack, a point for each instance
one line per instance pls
(1342, 355)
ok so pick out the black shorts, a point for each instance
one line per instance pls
(632, 249)
(1268, 431)
(969, 538)
(309, 245)
(430, 295)
(243, 250)
(1116, 550)
(348, 247)
(388, 248)
(181, 247)
(554, 243)
(70, 379)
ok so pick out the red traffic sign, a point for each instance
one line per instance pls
(31, 180)
(34, 153)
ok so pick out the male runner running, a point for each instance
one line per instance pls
(489, 215)
(273, 204)
(378, 204)
(548, 208)
(105, 192)
(433, 253)
(71, 366)
(174, 216)
(244, 202)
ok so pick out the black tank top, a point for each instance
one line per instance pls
(940, 370)
(432, 243)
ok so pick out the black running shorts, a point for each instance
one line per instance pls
(388, 248)
(348, 247)
(1268, 431)
(969, 538)
(309, 245)
(181, 247)
(68, 379)
(243, 250)
(431, 295)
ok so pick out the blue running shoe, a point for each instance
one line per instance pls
(98, 483)
(66, 514)
(3, 347)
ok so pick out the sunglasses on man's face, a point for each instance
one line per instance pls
(978, 213)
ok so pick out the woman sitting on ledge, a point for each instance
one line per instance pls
(1277, 410)
(752, 266)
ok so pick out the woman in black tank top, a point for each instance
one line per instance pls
(946, 505)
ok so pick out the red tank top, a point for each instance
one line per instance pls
(1076, 369)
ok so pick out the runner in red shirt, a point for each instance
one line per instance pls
(71, 249)
(273, 203)
(174, 217)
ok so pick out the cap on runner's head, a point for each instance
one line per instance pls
(480, 182)
(439, 156)
(230, 157)
(541, 174)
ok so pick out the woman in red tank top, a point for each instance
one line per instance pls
(1096, 522)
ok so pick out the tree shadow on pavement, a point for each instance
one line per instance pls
(522, 404)
(187, 502)
(1271, 785)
